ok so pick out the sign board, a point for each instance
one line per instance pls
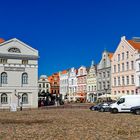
(14, 69)
(13, 107)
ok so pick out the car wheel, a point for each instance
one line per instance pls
(137, 112)
(102, 110)
(114, 110)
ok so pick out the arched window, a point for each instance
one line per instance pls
(4, 78)
(14, 50)
(4, 98)
(24, 78)
(25, 98)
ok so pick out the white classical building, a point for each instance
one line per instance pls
(72, 84)
(44, 84)
(18, 74)
(63, 83)
(92, 83)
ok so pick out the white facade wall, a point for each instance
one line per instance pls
(91, 84)
(137, 75)
(72, 84)
(14, 69)
(64, 85)
(43, 84)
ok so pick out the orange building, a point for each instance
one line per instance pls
(54, 83)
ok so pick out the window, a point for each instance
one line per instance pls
(40, 85)
(103, 74)
(43, 85)
(123, 83)
(139, 80)
(104, 85)
(24, 62)
(122, 100)
(127, 54)
(108, 73)
(132, 79)
(4, 98)
(118, 67)
(118, 57)
(72, 81)
(132, 91)
(25, 98)
(108, 84)
(24, 78)
(4, 78)
(119, 81)
(123, 56)
(14, 50)
(94, 88)
(3, 61)
(114, 81)
(100, 86)
(139, 66)
(127, 65)
(114, 68)
(89, 88)
(47, 85)
(104, 62)
(127, 92)
(132, 65)
(122, 66)
(127, 78)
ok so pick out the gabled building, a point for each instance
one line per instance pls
(72, 82)
(104, 74)
(125, 67)
(82, 84)
(54, 83)
(92, 83)
(64, 84)
(19, 74)
(43, 84)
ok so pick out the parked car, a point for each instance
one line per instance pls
(96, 107)
(101, 107)
(135, 110)
(125, 103)
(105, 107)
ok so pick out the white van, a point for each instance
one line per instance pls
(124, 103)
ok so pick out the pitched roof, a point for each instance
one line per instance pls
(64, 72)
(1, 40)
(134, 44)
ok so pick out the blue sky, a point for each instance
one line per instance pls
(69, 33)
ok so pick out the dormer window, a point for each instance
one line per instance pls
(14, 50)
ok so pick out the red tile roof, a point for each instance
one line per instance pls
(135, 45)
(1, 40)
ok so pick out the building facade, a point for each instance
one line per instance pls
(125, 75)
(92, 83)
(104, 74)
(72, 82)
(82, 84)
(18, 74)
(54, 83)
(43, 84)
(64, 84)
